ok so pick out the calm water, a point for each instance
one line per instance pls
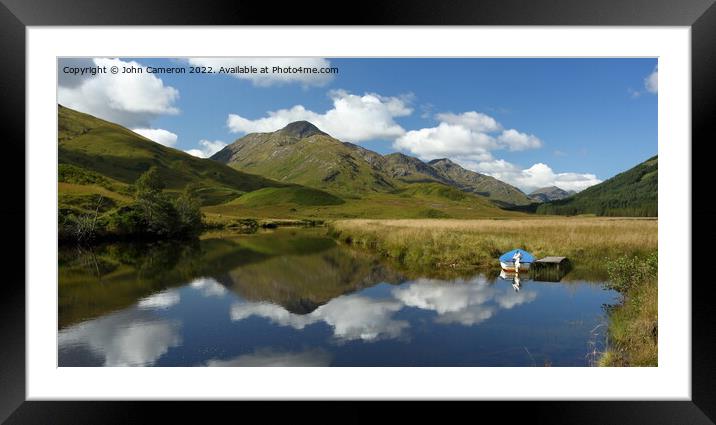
(293, 297)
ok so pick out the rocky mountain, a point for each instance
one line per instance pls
(470, 181)
(301, 153)
(633, 193)
(410, 169)
(550, 193)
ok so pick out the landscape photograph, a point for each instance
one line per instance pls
(357, 212)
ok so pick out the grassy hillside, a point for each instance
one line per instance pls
(296, 195)
(419, 200)
(440, 191)
(633, 193)
(104, 153)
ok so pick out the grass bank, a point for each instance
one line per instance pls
(469, 244)
(251, 225)
(633, 324)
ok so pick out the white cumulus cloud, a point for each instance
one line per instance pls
(516, 141)
(469, 136)
(272, 78)
(537, 176)
(353, 118)
(473, 120)
(207, 148)
(447, 140)
(159, 135)
(132, 100)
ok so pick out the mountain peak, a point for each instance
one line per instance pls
(547, 189)
(300, 129)
(445, 161)
(403, 157)
(550, 193)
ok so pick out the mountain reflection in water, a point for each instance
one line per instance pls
(293, 297)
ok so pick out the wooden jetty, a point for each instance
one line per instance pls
(552, 260)
(550, 269)
(558, 262)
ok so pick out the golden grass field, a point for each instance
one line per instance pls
(478, 243)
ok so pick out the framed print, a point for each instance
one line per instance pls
(447, 203)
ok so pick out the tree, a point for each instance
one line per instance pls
(188, 211)
(149, 183)
(159, 215)
(155, 214)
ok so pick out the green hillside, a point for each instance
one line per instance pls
(438, 191)
(418, 200)
(111, 154)
(632, 193)
(297, 195)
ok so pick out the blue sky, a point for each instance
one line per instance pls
(530, 122)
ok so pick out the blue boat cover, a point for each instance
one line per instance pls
(526, 256)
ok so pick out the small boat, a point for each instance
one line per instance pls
(508, 264)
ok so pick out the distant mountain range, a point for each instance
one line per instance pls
(300, 153)
(633, 193)
(550, 193)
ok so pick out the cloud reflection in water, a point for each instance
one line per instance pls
(127, 338)
(352, 317)
(358, 317)
(270, 357)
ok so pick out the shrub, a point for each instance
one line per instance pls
(627, 272)
(127, 220)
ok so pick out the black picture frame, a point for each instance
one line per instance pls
(16, 15)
